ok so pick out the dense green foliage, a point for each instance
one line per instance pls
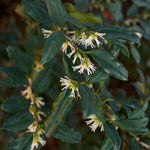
(62, 72)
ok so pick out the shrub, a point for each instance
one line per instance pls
(63, 72)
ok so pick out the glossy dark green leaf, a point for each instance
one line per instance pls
(98, 76)
(61, 106)
(134, 144)
(18, 122)
(133, 10)
(81, 5)
(115, 50)
(37, 12)
(124, 50)
(140, 112)
(56, 11)
(123, 101)
(138, 87)
(19, 59)
(22, 143)
(107, 145)
(135, 54)
(42, 81)
(67, 134)
(110, 66)
(115, 9)
(113, 135)
(75, 22)
(89, 101)
(141, 131)
(142, 76)
(15, 77)
(117, 33)
(15, 104)
(52, 46)
(143, 3)
(132, 124)
(68, 67)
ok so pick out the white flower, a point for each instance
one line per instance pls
(65, 46)
(94, 123)
(40, 113)
(139, 34)
(36, 140)
(33, 127)
(27, 93)
(39, 102)
(40, 130)
(89, 40)
(46, 33)
(87, 65)
(70, 84)
(77, 55)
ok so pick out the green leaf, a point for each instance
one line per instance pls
(19, 121)
(61, 106)
(139, 112)
(15, 77)
(68, 67)
(37, 12)
(42, 81)
(67, 134)
(110, 66)
(138, 87)
(22, 143)
(113, 135)
(56, 11)
(135, 54)
(52, 46)
(15, 104)
(90, 102)
(115, 9)
(82, 17)
(107, 145)
(19, 58)
(81, 5)
(134, 145)
(123, 48)
(98, 76)
(132, 125)
(122, 101)
(75, 22)
(117, 33)
(115, 50)
(143, 3)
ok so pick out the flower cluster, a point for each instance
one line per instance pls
(46, 33)
(71, 48)
(65, 48)
(94, 123)
(70, 84)
(36, 140)
(89, 40)
(86, 64)
(35, 127)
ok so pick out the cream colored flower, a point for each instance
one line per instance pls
(89, 40)
(39, 102)
(39, 114)
(77, 55)
(46, 33)
(36, 140)
(94, 123)
(87, 65)
(65, 46)
(33, 127)
(70, 84)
